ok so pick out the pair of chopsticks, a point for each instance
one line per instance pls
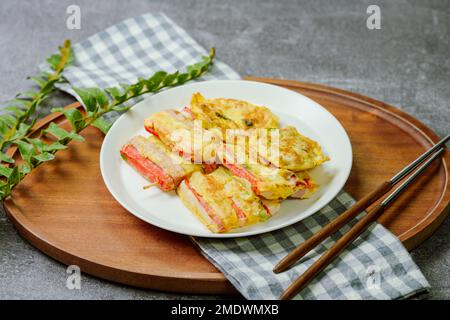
(332, 253)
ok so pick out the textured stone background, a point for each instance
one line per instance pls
(406, 64)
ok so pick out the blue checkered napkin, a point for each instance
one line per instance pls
(375, 266)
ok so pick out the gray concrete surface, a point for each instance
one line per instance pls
(406, 64)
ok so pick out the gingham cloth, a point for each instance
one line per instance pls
(135, 48)
(375, 266)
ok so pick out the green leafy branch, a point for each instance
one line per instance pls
(98, 102)
(18, 120)
(14, 124)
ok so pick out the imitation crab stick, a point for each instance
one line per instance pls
(155, 162)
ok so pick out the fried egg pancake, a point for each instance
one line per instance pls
(296, 152)
(221, 201)
(231, 113)
(267, 181)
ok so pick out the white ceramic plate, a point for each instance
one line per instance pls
(165, 209)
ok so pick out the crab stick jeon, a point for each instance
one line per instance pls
(165, 124)
(268, 181)
(178, 130)
(223, 202)
(231, 113)
(297, 152)
(155, 162)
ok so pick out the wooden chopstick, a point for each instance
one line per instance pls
(300, 251)
(352, 212)
(352, 234)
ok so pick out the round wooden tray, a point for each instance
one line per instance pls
(64, 209)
